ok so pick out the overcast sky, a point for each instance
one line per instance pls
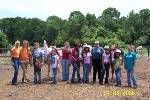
(62, 8)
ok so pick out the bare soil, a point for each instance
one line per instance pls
(63, 91)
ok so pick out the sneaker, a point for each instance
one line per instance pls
(14, 84)
(135, 87)
(86, 81)
(72, 81)
(94, 82)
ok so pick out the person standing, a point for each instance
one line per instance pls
(75, 63)
(54, 62)
(15, 51)
(112, 53)
(25, 58)
(129, 62)
(106, 61)
(38, 60)
(87, 63)
(118, 67)
(66, 54)
(97, 53)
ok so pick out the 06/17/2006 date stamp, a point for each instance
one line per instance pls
(122, 92)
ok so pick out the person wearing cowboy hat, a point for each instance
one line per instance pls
(97, 63)
(87, 63)
(118, 67)
(106, 61)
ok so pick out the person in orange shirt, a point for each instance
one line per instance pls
(25, 59)
(15, 51)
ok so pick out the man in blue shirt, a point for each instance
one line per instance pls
(97, 53)
(130, 60)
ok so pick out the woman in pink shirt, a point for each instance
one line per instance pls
(87, 63)
(106, 61)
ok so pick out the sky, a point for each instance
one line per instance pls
(62, 8)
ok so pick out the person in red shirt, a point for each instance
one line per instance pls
(66, 54)
(75, 63)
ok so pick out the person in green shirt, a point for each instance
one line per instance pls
(118, 67)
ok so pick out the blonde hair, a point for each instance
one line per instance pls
(67, 44)
(17, 42)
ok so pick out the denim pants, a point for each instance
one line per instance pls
(106, 70)
(16, 68)
(86, 70)
(131, 76)
(118, 76)
(37, 76)
(65, 69)
(76, 68)
(54, 74)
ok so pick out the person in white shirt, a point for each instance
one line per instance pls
(54, 62)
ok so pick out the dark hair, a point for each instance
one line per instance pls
(88, 49)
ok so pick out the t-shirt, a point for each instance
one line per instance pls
(97, 53)
(112, 55)
(65, 54)
(106, 58)
(118, 63)
(15, 52)
(37, 53)
(129, 59)
(24, 54)
(54, 61)
(87, 58)
(75, 54)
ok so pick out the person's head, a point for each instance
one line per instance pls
(86, 48)
(112, 47)
(17, 44)
(107, 49)
(25, 44)
(129, 48)
(118, 53)
(133, 48)
(96, 43)
(67, 45)
(54, 51)
(76, 45)
(36, 45)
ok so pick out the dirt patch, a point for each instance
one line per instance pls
(63, 91)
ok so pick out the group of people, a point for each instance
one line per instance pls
(96, 57)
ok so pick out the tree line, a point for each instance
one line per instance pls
(109, 28)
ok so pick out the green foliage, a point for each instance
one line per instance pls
(3, 40)
(109, 28)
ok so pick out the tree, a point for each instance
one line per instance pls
(3, 40)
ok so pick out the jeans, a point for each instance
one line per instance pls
(37, 76)
(54, 74)
(97, 67)
(86, 70)
(37, 72)
(131, 76)
(65, 69)
(106, 70)
(16, 68)
(76, 68)
(118, 76)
